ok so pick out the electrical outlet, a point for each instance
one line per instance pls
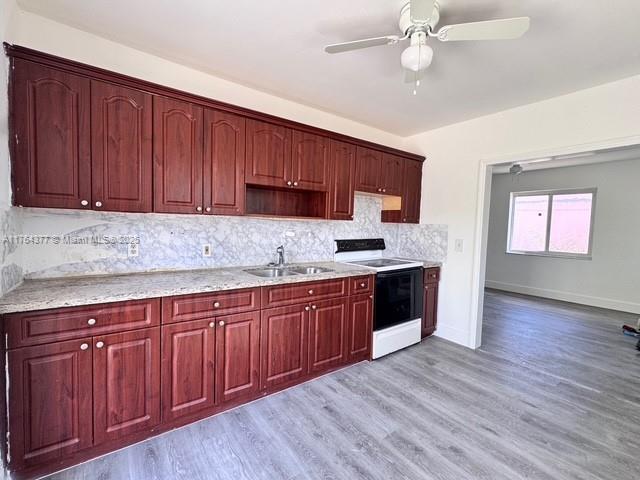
(206, 250)
(459, 245)
(133, 250)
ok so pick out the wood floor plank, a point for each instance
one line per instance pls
(553, 393)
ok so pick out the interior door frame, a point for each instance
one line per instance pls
(482, 216)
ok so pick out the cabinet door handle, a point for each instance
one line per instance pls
(84, 346)
(221, 323)
(307, 308)
(216, 304)
(313, 307)
(91, 321)
(295, 184)
(99, 344)
(310, 292)
(84, 203)
(371, 297)
(363, 284)
(198, 208)
(98, 204)
(212, 324)
(289, 182)
(384, 190)
(208, 209)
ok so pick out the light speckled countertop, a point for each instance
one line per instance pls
(89, 290)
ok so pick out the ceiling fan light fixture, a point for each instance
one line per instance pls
(418, 56)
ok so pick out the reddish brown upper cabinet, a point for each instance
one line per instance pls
(410, 212)
(224, 159)
(121, 163)
(392, 174)
(310, 161)
(430, 311)
(342, 186)
(50, 401)
(368, 169)
(188, 368)
(126, 383)
(238, 357)
(177, 153)
(328, 334)
(51, 141)
(268, 154)
(284, 345)
(360, 328)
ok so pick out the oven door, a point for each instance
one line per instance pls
(398, 297)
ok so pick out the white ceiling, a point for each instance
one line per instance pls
(277, 47)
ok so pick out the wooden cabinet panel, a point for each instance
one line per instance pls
(126, 383)
(412, 191)
(50, 401)
(368, 170)
(360, 328)
(45, 326)
(121, 164)
(342, 187)
(328, 334)
(284, 345)
(183, 308)
(224, 157)
(392, 176)
(430, 310)
(51, 149)
(361, 285)
(177, 153)
(310, 161)
(238, 357)
(279, 295)
(432, 275)
(188, 375)
(268, 154)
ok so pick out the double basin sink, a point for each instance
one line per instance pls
(272, 272)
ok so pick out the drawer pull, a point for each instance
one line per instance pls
(84, 346)
(295, 184)
(84, 203)
(99, 344)
(208, 209)
(216, 304)
(98, 204)
(310, 292)
(91, 321)
(212, 324)
(198, 208)
(363, 284)
(221, 323)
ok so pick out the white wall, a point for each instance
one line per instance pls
(612, 277)
(454, 155)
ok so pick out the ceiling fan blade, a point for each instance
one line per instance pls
(421, 10)
(364, 43)
(505, 29)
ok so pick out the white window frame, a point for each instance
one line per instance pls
(551, 193)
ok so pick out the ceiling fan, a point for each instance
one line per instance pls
(418, 21)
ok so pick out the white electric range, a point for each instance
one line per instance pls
(397, 312)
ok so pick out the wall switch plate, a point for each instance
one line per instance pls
(459, 245)
(133, 250)
(206, 250)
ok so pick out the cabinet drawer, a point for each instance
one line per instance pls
(291, 294)
(432, 275)
(193, 307)
(358, 285)
(46, 326)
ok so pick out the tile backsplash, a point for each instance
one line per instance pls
(85, 243)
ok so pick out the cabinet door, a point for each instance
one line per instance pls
(343, 170)
(328, 334)
(224, 145)
(238, 356)
(126, 383)
(51, 148)
(188, 356)
(392, 178)
(430, 312)
(284, 345)
(177, 153)
(121, 165)
(368, 170)
(412, 191)
(50, 401)
(360, 328)
(268, 154)
(310, 161)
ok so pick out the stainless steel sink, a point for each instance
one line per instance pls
(309, 270)
(270, 272)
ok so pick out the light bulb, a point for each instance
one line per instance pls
(417, 57)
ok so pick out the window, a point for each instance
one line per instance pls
(556, 223)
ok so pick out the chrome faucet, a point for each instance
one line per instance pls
(280, 252)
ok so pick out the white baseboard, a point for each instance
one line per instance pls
(610, 303)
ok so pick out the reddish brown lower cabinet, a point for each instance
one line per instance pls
(238, 357)
(188, 368)
(360, 328)
(430, 311)
(126, 383)
(50, 402)
(328, 334)
(284, 345)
